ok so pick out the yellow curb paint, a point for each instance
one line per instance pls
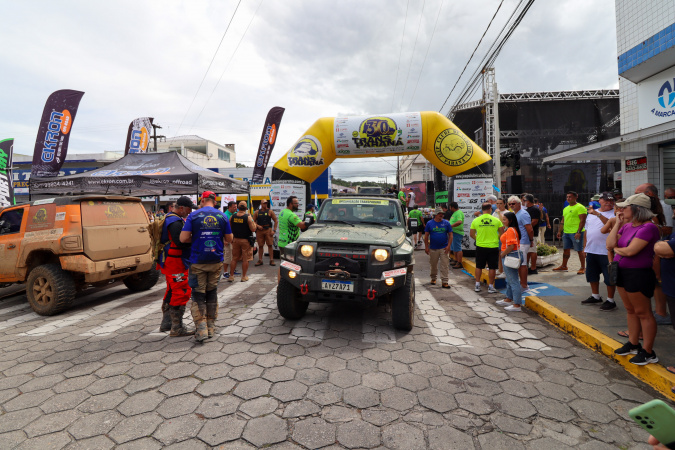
(654, 375)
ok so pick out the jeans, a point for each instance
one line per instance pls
(513, 289)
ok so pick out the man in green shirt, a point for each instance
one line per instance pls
(289, 222)
(485, 231)
(572, 223)
(457, 224)
(416, 215)
(402, 198)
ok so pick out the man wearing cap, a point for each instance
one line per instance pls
(208, 230)
(437, 240)
(595, 248)
(572, 224)
(242, 230)
(310, 214)
(265, 231)
(402, 198)
(173, 262)
(485, 230)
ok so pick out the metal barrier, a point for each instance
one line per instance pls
(555, 226)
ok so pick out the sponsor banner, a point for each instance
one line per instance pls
(359, 201)
(441, 197)
(267, 141)
(656, 99)
(383, 134)
(636, 165)
(282, 190)
(291, 266)
(470, 194)
(6, 184)
(394, 273)
(442, 143)
(138, 136)
(51, 145)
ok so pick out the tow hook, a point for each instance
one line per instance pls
(371, 294)
(304, 288)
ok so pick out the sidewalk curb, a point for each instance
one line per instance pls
(654, 375)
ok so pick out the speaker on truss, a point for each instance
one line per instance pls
(430, 193)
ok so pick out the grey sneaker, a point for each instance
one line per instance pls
(477, 288)
(662, 320)
(492, 290)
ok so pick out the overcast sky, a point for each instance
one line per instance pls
(315, 58)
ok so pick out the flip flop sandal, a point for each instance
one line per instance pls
(560, 269)
(624, 334)
(259, 263)
(581, 272)
(272, 263)
(671, 369)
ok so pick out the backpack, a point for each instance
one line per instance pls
(155, 229)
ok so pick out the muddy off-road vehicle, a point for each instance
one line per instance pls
(358, 251)
(60, 245)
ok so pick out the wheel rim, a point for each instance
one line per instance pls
(42, 291)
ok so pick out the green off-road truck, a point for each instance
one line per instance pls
(358, 251)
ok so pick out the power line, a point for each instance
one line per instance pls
(400, 53)
(426, 54)
(405, 84)
(472, 53)
(209, 68)
(228, 64)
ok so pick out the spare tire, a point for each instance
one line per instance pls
(142, 281)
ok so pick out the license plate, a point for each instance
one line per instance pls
(340, 286)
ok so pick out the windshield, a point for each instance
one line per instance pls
(359, 210)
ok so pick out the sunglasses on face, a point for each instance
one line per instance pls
(512, 204)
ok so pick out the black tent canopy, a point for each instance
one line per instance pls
(141, 174)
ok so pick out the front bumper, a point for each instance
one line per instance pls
(109, 269)
(365, 289)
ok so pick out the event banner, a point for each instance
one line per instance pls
(138, 136)
(427, 133)
(6, 183)
(267, 140)
(51, 145)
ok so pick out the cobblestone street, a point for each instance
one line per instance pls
(467, 376)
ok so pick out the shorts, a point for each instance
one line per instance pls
(204, 277)
(456, 245)
(524, 249)
(487, 255)
(265, 236)
(533, 247)
(596, 265)
(637, 280)
(242, 250)
(227, 253)
(569, 242)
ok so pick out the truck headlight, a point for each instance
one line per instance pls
(381, 254)
(306, 250)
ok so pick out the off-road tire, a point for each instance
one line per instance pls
(142, 281)
(403, 305)
(288, 301)
(50, 289)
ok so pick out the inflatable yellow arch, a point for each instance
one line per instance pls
(428, 133)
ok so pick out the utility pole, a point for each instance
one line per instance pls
(398, 172)
(154, 134)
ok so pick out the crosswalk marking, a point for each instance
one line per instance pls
(438, 321)
(18, 319)
(86, 314)
(18, 307)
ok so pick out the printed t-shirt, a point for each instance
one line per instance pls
(596, 242)
(416, 214)
(487, 230)
(645, 259)
(288, 227)
(668, 271)
(458, 215)
(534, 213)
(510, 237)
(523, 219)
(401, 197)
(208, 226)
(411, 203)
(438, 233)
(571, 217)
(542, 219)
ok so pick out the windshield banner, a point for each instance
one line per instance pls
(51, 145)
(6, 184)
(267, 141)
(427, 133)
(138, 136)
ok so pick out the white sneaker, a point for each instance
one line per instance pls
(492, 290)
(477, 288)
(501, 276)
(503, 303)
(512, 308)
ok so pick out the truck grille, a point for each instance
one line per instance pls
(357, 254)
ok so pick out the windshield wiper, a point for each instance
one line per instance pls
(338, 221)
(376, 223)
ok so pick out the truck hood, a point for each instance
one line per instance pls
(359, 234)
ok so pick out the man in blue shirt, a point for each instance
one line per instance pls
(666, 251)
(208, 230)
(437, 240)
(526, 236)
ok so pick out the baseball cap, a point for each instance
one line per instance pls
(617, 193)
(636, 199)
(438, 210)
(607, 196)
(187, 202)
(311, 205)
(209, 194)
